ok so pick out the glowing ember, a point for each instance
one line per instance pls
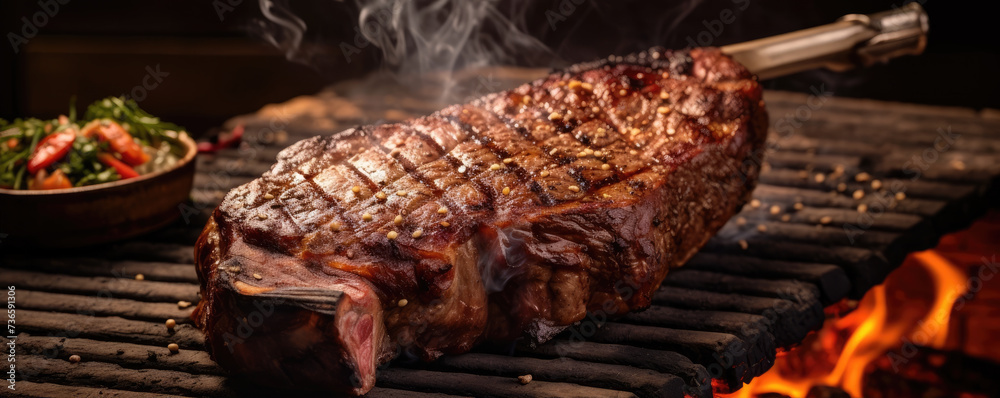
(885, 319)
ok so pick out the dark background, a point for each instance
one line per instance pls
(220, 66)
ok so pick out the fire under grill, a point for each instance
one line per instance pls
(849, 188)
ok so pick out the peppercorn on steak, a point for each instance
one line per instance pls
(511, 216)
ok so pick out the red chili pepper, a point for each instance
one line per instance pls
(123, 169)
(225, 140)
(57, 180)
(52, 148)
(120, 140)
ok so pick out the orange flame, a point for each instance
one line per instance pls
(840, 352)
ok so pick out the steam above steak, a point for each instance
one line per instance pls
(511, 216)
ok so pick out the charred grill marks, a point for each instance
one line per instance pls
(500, 153)
(535, 247)
(524, 177)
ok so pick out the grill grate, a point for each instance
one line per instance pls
(759, 285)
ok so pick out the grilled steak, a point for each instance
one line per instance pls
(511, 216)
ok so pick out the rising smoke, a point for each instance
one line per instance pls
(415, 37)
(424, 36)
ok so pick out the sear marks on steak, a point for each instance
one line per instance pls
(511, 216)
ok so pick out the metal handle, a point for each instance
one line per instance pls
(854, 40)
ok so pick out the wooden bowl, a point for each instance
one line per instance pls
(74, 217)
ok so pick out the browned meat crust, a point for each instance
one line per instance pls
(510, 216)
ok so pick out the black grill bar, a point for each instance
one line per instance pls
(830, 279)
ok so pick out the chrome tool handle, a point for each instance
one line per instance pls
(854, 40)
